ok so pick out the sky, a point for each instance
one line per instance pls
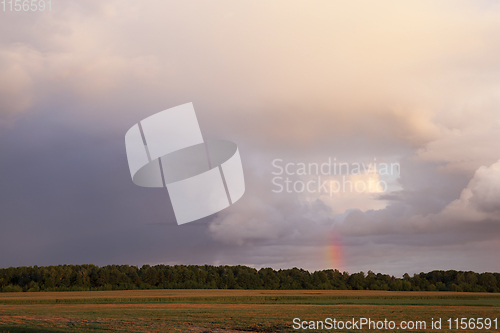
(414, 84)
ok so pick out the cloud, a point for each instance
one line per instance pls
(16, 85)
(475, 211)
(263, 215)
(371, 81)
(480, 200)
(411, 83)
(466, 149)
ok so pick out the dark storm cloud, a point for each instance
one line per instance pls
(67, 198)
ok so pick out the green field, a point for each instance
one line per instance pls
(230, 310)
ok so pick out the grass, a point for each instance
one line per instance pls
(226, 310)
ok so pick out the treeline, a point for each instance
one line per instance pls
(124, 277)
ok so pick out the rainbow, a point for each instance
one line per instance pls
(334, 254)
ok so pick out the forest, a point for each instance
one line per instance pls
(125, 277)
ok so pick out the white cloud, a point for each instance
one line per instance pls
(480, 200)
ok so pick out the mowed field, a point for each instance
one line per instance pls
(232, 310)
